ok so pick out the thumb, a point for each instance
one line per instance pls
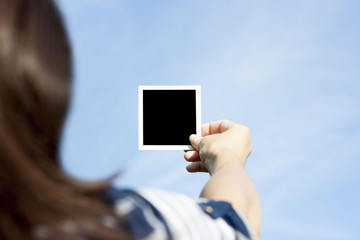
(195, 141)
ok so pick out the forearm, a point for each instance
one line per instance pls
(224, 157)
(230, 183)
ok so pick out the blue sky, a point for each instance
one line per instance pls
(287, 69)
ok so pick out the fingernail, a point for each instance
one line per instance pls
(194, 137)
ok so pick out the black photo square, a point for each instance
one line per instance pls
(168, 115)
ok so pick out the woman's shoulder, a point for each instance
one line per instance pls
(158, 214)
(141, 218)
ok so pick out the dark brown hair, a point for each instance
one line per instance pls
(37, 199)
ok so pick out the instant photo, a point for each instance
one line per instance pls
(168, 115)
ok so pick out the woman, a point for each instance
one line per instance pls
(39, 201)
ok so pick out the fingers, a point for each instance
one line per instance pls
(192, 156)
(216, 127)
(196, 167)
(195, 141)
(196, 164)
(209, 129)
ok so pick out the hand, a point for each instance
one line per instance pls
(224, 156)
(232, 144)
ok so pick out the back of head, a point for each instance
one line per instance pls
(35, 74)
(35, 77)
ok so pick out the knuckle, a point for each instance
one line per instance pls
(225, 123)
(247, 130)
(244, 129)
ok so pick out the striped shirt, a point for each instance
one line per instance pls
(153, 214)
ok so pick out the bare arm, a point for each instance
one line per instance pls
(224, 157)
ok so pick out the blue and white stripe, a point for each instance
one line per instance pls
(188, 219)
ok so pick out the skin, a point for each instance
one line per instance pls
(224, 155)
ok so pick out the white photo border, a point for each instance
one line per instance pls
(141, 88)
